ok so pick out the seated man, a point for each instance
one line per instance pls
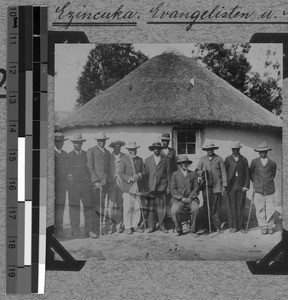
(184, 191)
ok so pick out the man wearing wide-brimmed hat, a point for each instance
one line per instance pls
(263, 171)
(159, 176)
(61, 173)
(238, 180)
(115, 203)
(79, 186)
(214, 167)
(98, 161)
(132, 173)
(169, 152)
(184, 192)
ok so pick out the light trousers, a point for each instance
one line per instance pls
(131, 210)
(264, 210)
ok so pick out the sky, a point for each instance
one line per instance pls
(71, 58)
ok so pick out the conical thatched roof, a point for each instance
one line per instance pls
(160, 92)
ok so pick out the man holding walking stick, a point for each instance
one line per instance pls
(98, 161)
(216, 183)
(115, 199)
(132, 173)
(238, 184)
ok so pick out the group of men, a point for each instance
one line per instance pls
(137, 195)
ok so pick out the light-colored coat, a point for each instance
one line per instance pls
(126, 172)
(217, 176)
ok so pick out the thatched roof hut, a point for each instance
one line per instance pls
(173, 93)
(171, 89)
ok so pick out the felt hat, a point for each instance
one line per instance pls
(155, 145)
(117, 143)
(77, 138)
(165, 136)
(101, 136)
(183, 158)
(132, 145)
(236, 145)
(59, 136)
(262, 147)
(210, 146)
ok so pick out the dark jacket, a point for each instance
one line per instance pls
(184, 187)
(172, 159)
(77, 167)
(242, 168)
(61, 168)
(126, 172)
(263, 177)
(158, 176)
(114, 165)
(99, 164)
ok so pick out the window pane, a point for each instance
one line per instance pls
(181, 148)
(181, 137)
(191, 136)
(190, 148)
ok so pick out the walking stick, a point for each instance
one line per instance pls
(207, 197)
(100, 210)
(140, 205)
(142, 214)
(250, 210)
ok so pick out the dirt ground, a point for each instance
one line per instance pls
(166, 246)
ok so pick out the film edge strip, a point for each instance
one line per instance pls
(26, 135)
(12, 152)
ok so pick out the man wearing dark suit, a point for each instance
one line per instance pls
(115, 203)
(159, 176)
(132, 173)
(184, 191)
(61, 173)
(238, 180)
(263, 171)
(79, 186)
(98, 161)
(169, 152)
(217, 182)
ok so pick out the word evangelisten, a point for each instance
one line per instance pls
(217, 12)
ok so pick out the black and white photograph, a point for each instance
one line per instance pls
(168, 151)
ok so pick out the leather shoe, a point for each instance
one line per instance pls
(270, 230)
(92, 235)
(163, 229)
(128, 231)
(179, 233)
(264, 231)
(139, 230)
(193, 234)
(233, 230)
(200, 231)
(151, 230)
